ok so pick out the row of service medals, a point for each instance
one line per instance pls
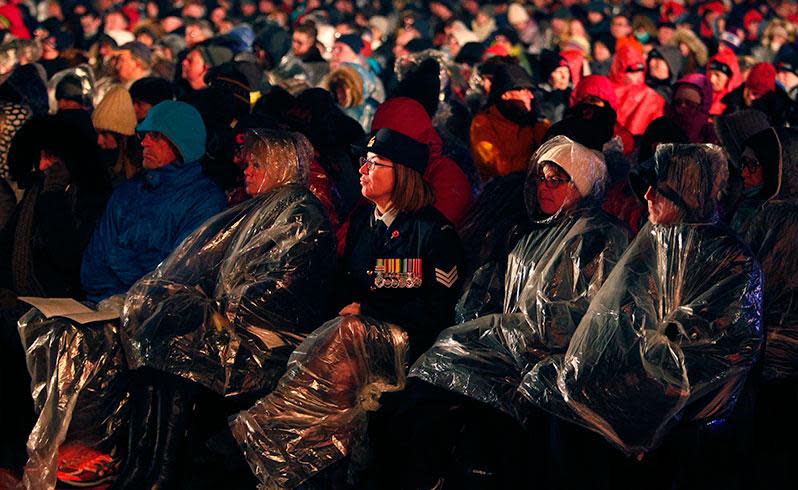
(397, 273)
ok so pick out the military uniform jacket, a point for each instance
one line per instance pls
(407, 273)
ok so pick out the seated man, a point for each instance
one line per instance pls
(150, 215)
(671, 336)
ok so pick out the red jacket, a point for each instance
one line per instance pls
(17, 25)
(447, 180)
(639, 104)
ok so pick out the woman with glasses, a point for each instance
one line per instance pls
(403, 259)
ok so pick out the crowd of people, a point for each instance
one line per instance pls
(399, 244)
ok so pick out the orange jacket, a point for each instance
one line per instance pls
(500, 146)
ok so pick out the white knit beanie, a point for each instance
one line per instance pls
(517, 14)
(585, 166)
(115, 112)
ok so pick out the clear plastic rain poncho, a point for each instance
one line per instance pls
(78, 384)
(770, 228)
(674, 330)
(227, 307)
(318, 412)
(552, 274)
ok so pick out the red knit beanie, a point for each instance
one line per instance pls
(761, 79)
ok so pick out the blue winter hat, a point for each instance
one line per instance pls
(179, 122)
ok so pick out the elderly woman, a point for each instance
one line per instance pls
(400, 283)
(668, 339)
(228, 306)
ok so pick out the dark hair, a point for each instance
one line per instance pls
(308, 28)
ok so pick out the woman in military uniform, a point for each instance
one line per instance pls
(402, 259)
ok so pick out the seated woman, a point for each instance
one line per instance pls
(669, 339)
(228, 306)
(400, 281)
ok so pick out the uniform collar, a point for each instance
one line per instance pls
(387, 218)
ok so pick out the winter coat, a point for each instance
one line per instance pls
(674, 330)
(501, 146)
(448, 182)
(407, 273)
(768, 222)
(227, 307)
(728, 58)
(638, 105)
(146, 218)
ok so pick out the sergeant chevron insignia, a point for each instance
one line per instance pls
(446, 278)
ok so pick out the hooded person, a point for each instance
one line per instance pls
(551, 275)
(690, 106)
(759, 91)
(349, 90)
(449, 183)
(664, 67)
(671, 335)
(506, 132)
(42, 245)
(598, 90)
(638, 104)
(553, 92)
(767, 222)
(723, 71)
(228, 306)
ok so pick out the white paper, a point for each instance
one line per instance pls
(69, 308)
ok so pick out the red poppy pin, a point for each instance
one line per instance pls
(395, 234)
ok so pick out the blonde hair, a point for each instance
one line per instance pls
(410, 191)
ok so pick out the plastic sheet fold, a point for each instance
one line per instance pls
(318, 411)
(671, 336)
(227, 307)
(78, 378)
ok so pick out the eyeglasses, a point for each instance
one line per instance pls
(372, 163)
(553, 182)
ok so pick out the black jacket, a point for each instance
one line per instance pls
(424, 310)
